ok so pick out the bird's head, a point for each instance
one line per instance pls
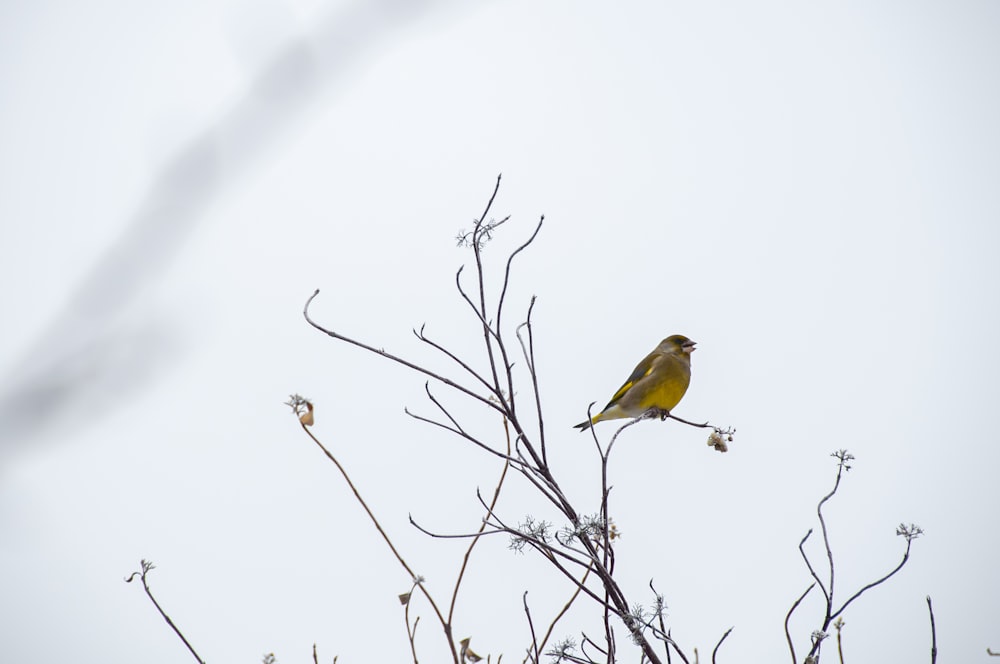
(677, 344)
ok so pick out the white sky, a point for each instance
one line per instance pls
(810, 191)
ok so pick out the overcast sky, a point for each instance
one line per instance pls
(809, 191)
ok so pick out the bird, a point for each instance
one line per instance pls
(466, 654)
(658, 382)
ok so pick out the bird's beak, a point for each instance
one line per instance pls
(689, 347)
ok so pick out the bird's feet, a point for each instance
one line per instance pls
(657, 413)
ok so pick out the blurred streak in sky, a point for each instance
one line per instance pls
(93, 352)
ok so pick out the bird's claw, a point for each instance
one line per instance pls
(657, 413)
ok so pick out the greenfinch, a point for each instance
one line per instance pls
(658, 382)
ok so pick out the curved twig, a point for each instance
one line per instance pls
(444, 624)
(464, 435)
(930, 609)
(562, 612)
(788, 617)
(906, 555)
(433, 344)
(529, 358)
(531, 626)
(145, 567)
(510, 259)
(717, 645)
(809, 565)
(482, 528)
(394, 358)
(829, 551)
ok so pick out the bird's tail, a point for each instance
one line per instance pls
(583, 426)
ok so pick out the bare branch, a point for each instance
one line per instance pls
(531, 625)
(562, 612)
(717, 645)
(444, 624)
(145, 567)
(809, 565)
(906, 556)
(472, 372)
(398, 360)
(482, 527)
(462, 434)
(788, 617)
(510, 259)
(930, 610)
(529, 357)
(843, 456)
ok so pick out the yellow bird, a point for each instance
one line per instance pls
(659, 381)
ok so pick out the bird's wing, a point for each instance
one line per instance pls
(641, 370)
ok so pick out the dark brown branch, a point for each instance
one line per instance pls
(930, 610)
(398, 360)
(839, 624)
(433, 344)
(809, 565)
(906, 556)
(587, 639)
(562, 612)
(411, 634)
(482, 528)
(469, 536)
(510, 259)
(444, 624)
(477, 249)
(549, 551)
(479, 315)
(700, 425)
(717, 645)
(145, 567)
(662, 633)
(462, 434)
(829, 552)
(531, 626)
(788, 617)
(500, 302)
(457, 427)
(529, 357)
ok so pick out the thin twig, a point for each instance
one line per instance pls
(462, 434)
(531, 626)
(529, 357)
(433, 344)
(399, 360)
(930, 610)
(840, 641)
(809, 565)
(482, 527)
(145, 567)
(717, 645)
(829, 552)
(562, 612)
(510, 259)
(444, 624)
(906, 556)
(477, 252)
(412, 634)
(500, 302)
(788, 617)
